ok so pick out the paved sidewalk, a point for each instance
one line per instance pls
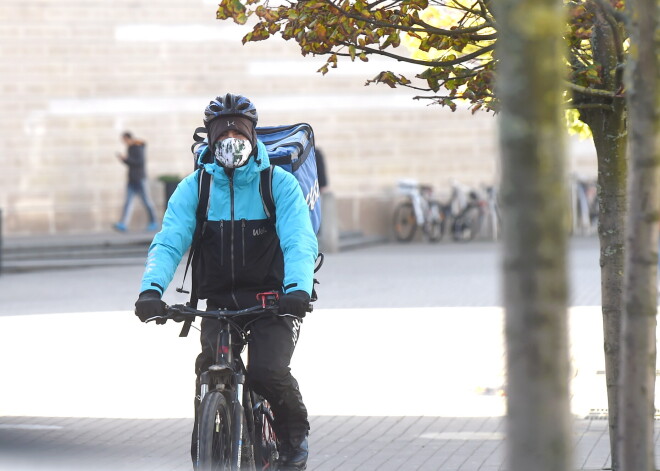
(338, 443)
(419, 322)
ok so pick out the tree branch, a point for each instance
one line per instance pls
(485, 12)
(608, 13)
(450, 32)
(441, 97)
(616, 15)
(408, 86)
(378, 2)
(590, 106)
(425, 27)
(590, 91)
(458, 60)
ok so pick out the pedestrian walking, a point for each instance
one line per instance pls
(137, 182)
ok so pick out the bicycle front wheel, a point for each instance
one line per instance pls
(214, 433)
(405, 222)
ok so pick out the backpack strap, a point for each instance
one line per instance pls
(204, 192)
(199, 145)
(266, 190)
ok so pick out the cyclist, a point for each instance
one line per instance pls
(241, 253)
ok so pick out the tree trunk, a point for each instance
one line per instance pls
(638, 347)
(606, 117)
(609, 135)
(535, 231)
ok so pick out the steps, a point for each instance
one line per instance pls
(23, 254)
(355, 239)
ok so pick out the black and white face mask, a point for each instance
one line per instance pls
(232, 152)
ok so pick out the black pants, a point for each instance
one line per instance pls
(272, 341)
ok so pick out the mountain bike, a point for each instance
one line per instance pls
(418, 211)
(234, 424)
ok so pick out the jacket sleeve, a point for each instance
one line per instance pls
(294, 229)
(174, 239)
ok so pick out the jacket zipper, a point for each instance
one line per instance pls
(222, 243)
(233, 275)
(243, 238)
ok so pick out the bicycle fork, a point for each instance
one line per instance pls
(218, 371)
(227, 363)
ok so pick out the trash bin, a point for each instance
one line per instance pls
(0, 240)
(170, 182)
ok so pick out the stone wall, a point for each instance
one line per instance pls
(74, 74)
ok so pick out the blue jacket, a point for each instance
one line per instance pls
(237, 223)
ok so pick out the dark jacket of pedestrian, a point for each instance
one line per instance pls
(135, 162)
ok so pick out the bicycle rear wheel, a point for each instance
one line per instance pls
(265, 440)
(214, 433)
(248, 462)
(435, 226)
(467, 225)
(405, 222)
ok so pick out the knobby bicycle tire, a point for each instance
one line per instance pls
(405, 222)
(214, 433)
(265, 440)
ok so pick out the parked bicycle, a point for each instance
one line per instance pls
(584, 206)
(419, 210)
(493, 216)
(474, 213)
(235, 425)
(466, 223)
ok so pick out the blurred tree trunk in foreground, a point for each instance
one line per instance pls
(534, 198)
(638, 346)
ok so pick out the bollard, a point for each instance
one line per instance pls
(0, 241)
(329, 234)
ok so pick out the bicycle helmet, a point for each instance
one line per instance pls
(230, 104)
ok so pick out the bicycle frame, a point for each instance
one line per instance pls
(227, 376)
(414, 191)
(227, 371)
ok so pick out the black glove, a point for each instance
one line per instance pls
(295, 302)
(149, 305)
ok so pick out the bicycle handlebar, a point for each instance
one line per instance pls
(181, 312)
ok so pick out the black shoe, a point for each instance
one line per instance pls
(295, 458)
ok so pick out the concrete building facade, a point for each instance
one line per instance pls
(75, 74)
